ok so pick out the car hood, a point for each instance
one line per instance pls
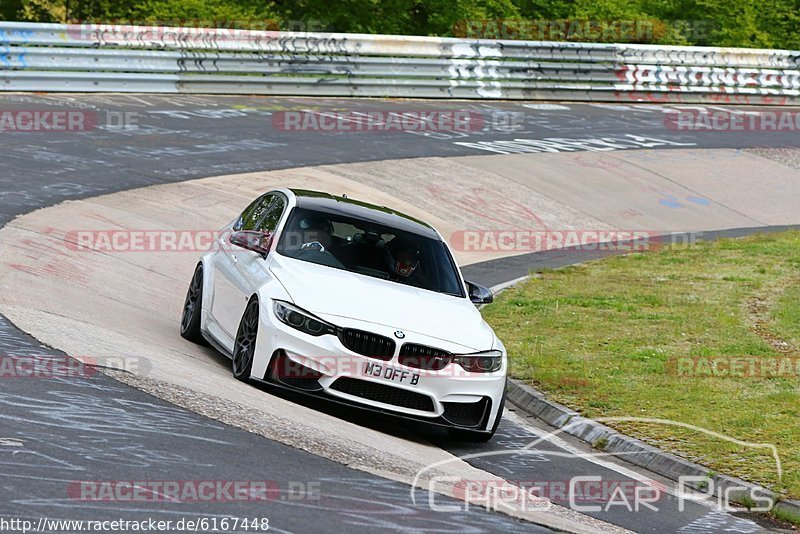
(328, 291)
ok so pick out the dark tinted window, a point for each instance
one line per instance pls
(370, 249)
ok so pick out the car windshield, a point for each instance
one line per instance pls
(370, 249)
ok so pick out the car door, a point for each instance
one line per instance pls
(252, 267)
(231, 292)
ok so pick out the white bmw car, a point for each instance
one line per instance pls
(353, 302)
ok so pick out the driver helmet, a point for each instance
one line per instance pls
(402, 256)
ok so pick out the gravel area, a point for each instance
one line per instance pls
(786, 156)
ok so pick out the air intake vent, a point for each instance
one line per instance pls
(469, 414)
(384, 394)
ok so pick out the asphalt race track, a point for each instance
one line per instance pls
(99, 429)
(180, 138)
(58, 431)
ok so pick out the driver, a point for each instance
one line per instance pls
(311, 239)
(316, 231)
(403, 260)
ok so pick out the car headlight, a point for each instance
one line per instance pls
(300, 319)
(480, 362)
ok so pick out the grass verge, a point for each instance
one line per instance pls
(652, 335)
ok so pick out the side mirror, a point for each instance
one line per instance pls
(256, 241)
(479, 294)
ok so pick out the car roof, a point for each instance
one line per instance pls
(325, 202)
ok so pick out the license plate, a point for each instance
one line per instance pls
(391, 374)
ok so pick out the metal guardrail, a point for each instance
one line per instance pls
(108, 58)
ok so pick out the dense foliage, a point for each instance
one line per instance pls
(746, 23)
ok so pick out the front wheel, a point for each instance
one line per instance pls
(190, 319)
(244, 349)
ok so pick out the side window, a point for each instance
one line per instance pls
(263, 214)
(272, 215)
(251, 215)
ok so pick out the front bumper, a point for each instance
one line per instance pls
(324, 367)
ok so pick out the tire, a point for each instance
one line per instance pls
(192, 308)
(244, 349)
(462, 434)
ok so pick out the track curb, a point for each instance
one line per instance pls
(632, 450)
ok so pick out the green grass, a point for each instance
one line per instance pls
(787, 516)
(787, 315)
(602, 338)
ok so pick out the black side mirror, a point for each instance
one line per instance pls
(479, 294)
(256, 241)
